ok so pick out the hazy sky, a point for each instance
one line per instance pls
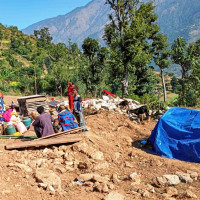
(22, 13)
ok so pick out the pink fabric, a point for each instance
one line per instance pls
(6, 115)
(86, 99)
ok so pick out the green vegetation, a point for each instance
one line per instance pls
(35, 65)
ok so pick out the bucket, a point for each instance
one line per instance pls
(21, 127)
(27, 122)
(10, 129)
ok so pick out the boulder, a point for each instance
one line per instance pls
(171, 191)
(193, 175)
(185, 178)
(102, 165)
(189, 194)
(20, 166)
(114, 196)
(135, 178)
(172, 179)
(48, 177)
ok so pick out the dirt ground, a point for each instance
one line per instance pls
(111, 149)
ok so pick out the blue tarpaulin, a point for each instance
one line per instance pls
(177, 135)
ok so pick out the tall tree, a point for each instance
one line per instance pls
(132, 26)
(161, 57)
(182, 57)
(43, 36)
(96, 55)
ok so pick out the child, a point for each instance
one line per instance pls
(56, 126)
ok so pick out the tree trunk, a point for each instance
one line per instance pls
(163, 84)
(125, 85)
(35, 77)
(183, 86)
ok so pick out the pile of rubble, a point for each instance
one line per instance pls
(111, 104)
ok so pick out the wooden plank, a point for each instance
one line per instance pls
(42, 143)
(32, 97)
(61, 133)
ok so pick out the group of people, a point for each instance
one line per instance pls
(45, 125)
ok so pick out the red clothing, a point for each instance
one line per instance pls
(108, 93)
(70, 95)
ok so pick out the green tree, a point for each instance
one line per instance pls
(43, 37)
(96, 55)
(161, 57)
(129, 34)
(181, 55)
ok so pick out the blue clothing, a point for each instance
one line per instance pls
(1, 105)
(67, 120)
(77, 103)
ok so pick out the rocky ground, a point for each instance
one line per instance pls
(108, 164)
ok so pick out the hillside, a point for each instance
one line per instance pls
(176, 17)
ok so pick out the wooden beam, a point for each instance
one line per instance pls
(43, 143)
(61, 133)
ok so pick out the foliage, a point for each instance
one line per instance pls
(129, 34)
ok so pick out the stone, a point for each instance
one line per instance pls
(89, 151)
(6, 192)
(20, 166)
(114, 178)
(135, 178)
(171, 191)
(100, 179)
(32, 164)
(190, 194)
(42, 185)
(93, 177)
(114, 196)
(52, 155)
(100, 166)
(105, 188)
(97, 155)
(128, 164)
(48, 177)
(40, 161)
(111, 186)
(82, 165)
(172, 179)
(146, 194)
(185, 178)
(85, 177)
(193, 175)
(60, 169)
(88, 184)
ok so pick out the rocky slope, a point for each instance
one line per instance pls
(176, 17)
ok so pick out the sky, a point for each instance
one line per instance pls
(22, 13)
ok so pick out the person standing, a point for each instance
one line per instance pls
(43, 123)
(70, 95)
(77, 101)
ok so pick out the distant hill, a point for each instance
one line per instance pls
(176, 17)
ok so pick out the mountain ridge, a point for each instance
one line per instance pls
(176, 17)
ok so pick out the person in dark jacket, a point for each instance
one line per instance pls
(77, 100)
(43, 123)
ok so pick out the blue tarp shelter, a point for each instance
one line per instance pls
(177, 135)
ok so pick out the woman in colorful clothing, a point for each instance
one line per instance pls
(66, 119)
(78, 108)
(70, 95)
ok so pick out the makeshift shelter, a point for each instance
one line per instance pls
(177, 135)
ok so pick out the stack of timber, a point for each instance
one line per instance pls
(70, 136)
(29, 104)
